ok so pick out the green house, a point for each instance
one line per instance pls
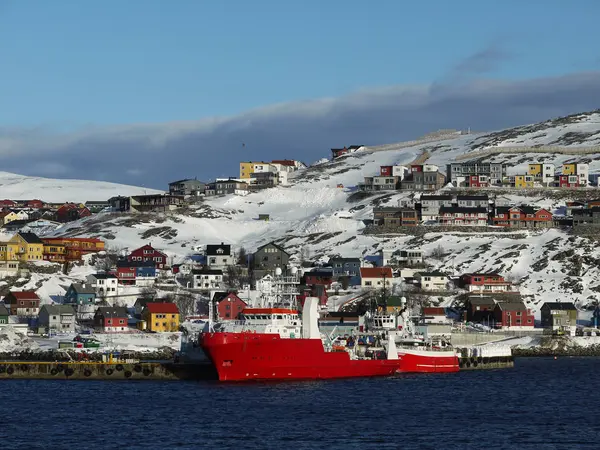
(3, 314)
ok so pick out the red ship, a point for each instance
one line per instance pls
(269, 347)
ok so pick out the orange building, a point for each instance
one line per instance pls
(63, 249)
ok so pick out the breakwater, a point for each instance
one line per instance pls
(560, 351)
(89, 370)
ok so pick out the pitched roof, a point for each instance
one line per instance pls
(207, 272)
(80, 288)
(477, 300)
(344, 260)
(564, 306)
(212, 249)
(284, 162)
(112, 312)
(278, 247)
(472, 197)
(148, 247)
(103, 276)
(59, 310)
(355, 147)
(180, 181)
(462, 209)
(433, 311)
(24, 295)
(31, 238)
(159, 308)
(376, 272)
(435, 197)
(3, 310)
(512, 306)
(220, 296)
(434, 273)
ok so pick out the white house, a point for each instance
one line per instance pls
(432, 281)
(207, 278)
(104, 284)
(434, 315)
(409, 257)
(400, 171)
(219, 256)
(21, 215)
(376, 277)
(9, 268)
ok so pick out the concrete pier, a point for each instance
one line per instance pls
(41, 370)
(481, 363)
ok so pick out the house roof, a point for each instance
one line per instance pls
(344, 260)
(103, 276)
(432, 311)
(59, 310)
(159, 308)
(355, 147)
(564, 306)
(512, 306)
(435, 197)
(181, 181)
(477, 300)
(462, 209)
(24, 295)
(434, 273)
(472, 197)
(376, 272)
(3, 310)
(124, 263)
(207, 272)
(81, 288)
(284, 162)
(278, 247)
(220, 296)
(112, 312)
(502, 209)
(211, 250)
(31, 238)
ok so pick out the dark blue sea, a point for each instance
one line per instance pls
(540, 404)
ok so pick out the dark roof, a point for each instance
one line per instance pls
(462, 209)
(502, 209)
(82, 289)
(58, 310)
(222, 295)
(512, 306)
(97, 202)
(278, 247)
(434, 273)
(435, 197)
(112, 311)
(207, 272)
(477, 300)
(3, 310)
(124, 263)
(564, 306)
(212, 249)
(181, 181)
(355, 147)
(103, 276)
(472, 197)
(393, 209)
(31, 238)
(17, 223)
(344, 260)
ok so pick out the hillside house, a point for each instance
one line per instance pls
(23, 303)
(463, 216)
(522, 217)
(59, 318)
(70, 212)
(337, 152)
(7, 203)
(412, 257)
(542, 173)
(376, 277)
(349, 267)
(264, 180)
(104, 283)
(139, 273)
(480, 308)
(431, 204)
(8, 216)
(155, 203)
(432, 281)
(207, 278)
(228, 305)
(161, 317)
(586, 217)
(66, 249)
(494, 172)
(580, 170)
(219, 256)
(318, 278)
(96, 206)
(472, 201)
(559, 317)
(395, 217)
(567, 181)
(423, 178)
(485, 283)
(379, 183)
(225, 186)
(147, 253)
(29, 247)
(268, 258)
(111, 319)
(80, 294)
(186, 187)
(8, 268)
(433, 315)
(513, 316)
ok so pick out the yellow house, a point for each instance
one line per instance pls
(8, 251)
(161, 317)
(28, 247)
(7, 217)
(246, 169)
(535, 170)
(523, 181)
(569, 169)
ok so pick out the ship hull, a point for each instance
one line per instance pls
(424, 361)
(259, 356)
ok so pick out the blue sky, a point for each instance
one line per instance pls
(70, 65)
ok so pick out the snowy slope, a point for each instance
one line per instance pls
(19, 187)
(315, 214)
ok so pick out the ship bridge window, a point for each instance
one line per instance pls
(279, 316)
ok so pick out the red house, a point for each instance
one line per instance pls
(71, 211)
(229, 305)
(337, 152)
(7, 204)
(416, 168)
(386, 171)
(34, 204)
(568, 181)
(149, 253)
(111, 319)
(477, 181)
(513, 315)
(485, 282)
(314, 291)
(318, 278)
(23, 303)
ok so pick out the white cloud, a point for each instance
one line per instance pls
(304, 130)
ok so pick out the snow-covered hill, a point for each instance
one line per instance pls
(314, 214)
(19, 187)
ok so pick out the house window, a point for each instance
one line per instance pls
(368, 283)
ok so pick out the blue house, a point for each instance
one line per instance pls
(345, 267)
(80, 294)
(144, 269)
